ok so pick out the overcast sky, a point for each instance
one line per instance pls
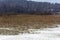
(52, 1)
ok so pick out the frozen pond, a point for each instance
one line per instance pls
(36, 34)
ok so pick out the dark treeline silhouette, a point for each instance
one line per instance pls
(28, 7)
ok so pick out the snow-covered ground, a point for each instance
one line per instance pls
(36, 34)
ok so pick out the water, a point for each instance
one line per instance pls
(36, 34)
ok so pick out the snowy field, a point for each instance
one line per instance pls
(36, 34)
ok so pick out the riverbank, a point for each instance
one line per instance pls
(39, 34)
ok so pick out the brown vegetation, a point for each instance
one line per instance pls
(24, 22)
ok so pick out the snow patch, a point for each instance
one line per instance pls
(36, 34)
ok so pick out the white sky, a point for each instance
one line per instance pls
(52, 1)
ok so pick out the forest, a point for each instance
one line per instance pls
(28, 7)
